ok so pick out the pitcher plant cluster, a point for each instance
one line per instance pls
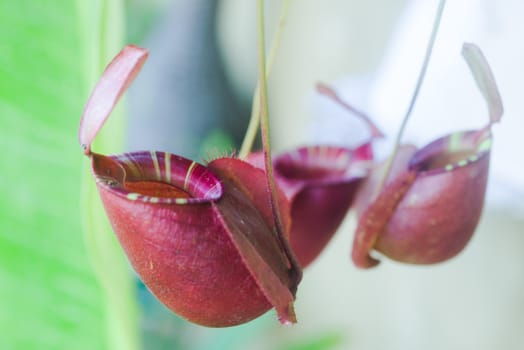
(222, 243)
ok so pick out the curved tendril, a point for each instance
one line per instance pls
(414, 97)
(254, 120)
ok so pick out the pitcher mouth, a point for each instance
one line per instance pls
(316, 164)
(451, 152)
(156, 177)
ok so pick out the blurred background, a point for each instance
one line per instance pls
(64, 283)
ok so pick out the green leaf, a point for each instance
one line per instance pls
(217, 143)
(101, 23)
(50, 297)
(326, 341)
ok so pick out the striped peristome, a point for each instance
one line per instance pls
(455, 151)
(113, 172)
(322, 163)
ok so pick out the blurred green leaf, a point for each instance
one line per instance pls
(326, 341)
(233, 338)
(101, 23)
(50, 297)
(218, 143)
(141, 17)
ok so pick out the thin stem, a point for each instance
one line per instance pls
(264, 120)
(420, 80)
(254, 121)
(266, 144)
